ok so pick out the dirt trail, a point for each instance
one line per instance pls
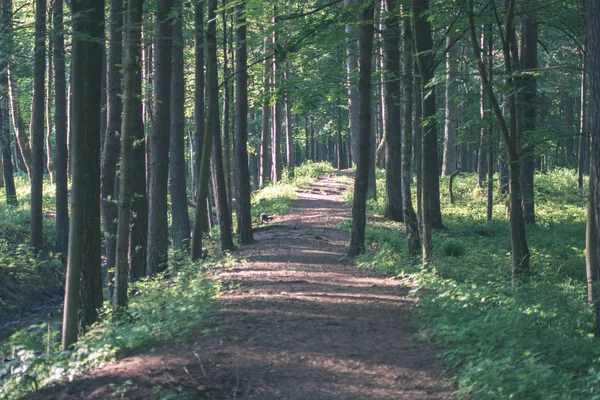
(302, 323)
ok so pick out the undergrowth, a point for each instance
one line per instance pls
(168, 306)
(529, 342)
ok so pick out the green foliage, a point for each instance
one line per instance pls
(528, 342)
(168, 306)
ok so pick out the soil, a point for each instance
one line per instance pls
(301, 323)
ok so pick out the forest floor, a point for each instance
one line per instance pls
(300, 322)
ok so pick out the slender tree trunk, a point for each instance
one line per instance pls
(37, 127)
(11, 194)
(593, 35)
(265, 154)
(357, 236)
(211, 126)
(520, 251)
(591, 244)
(393, 128)
(158, 144)
(49, 99)
(228, 85)
(449, 163)
(410, 218)
(529, 95)
(17, 119)
(584, 117)
(242, 181)
(289, 141)
(86, 71)
(353, 94)
(60, 125)
(418, 142)
(484, 140)
(110, 152)
(131, 114)
(220, 187)
(180, 227)
(277, 112)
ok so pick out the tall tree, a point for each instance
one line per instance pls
(60, 126)
(110, 153)
(177, 169)
(211, 125)
(410, 218)
(593, 37)
(11, 194)
(352, 69)
(49, 100)
(158, 144)
(529, 39)
(131, 115)
(265, 153)
(88, 31)
(520, 251)
(391, 59)
(449, 163)
(357, 236)
(277, 111)
(37, 127)
(242, 174)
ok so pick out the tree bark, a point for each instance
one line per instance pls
(49, 99)
(86, 71)
(37, 127)
(357, 235)
(265, 154)
(242, 181)
(110, 152)
(529, 104)
(410, 218)
(227, 93)
(393, 128)
(277, 112)
(180, 227)
(212, 125)
(449, 163)
(353, 93)
(11, 194)
(60, 125)
(158, 145)
(131, 114)
(289, 140)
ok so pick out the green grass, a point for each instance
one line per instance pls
(167, 307)
(530, 342)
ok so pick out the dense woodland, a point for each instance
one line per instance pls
(152, 123)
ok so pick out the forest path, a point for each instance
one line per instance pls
(300, 323)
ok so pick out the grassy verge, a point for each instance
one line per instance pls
(531, 342)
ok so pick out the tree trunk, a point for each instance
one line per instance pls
(418, 141)
(17, 119)
(584, 117)
(357, 236)
(353, 93)
(49, 99)
(37, 127)
(484, 140)
(449, 163)
(242, 175)
(410, 218)
(180, 227)
(60, 126)
(158, 144)
(227, 86)
(11, 194)
(393, 128)
(529, 104)
(131, 114)
(289, 140)
(86, 71)
(265, 154)
(593, 35)
(277, 117)
(211, 126)
(520, 251)
(110, 152)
